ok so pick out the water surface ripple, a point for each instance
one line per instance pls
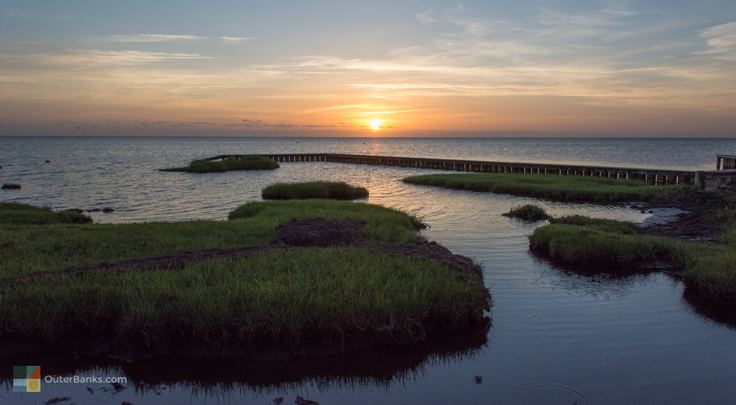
(556, 337)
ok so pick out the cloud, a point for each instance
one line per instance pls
(426, 16)
(721, 41)
(143, 38)
(152, 38)
(473, 26)
(93, 57)
(236, 40)
(260, 124)
(554, 63)
(595, 24)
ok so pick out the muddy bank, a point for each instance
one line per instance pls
(696, 226)
(689, 215)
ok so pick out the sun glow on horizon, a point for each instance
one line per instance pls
(375, 124)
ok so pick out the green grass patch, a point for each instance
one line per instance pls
(528, 212)
(29, 248)
(590, 245)
(607, 225)
(382, 224)
(290, 297)
(314, 189)
(713, 273)
(22, 214)
(548, 186)
(228, 163)
(606, 244)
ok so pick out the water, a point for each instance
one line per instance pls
(556, 337)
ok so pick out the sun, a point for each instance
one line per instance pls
(375, 124)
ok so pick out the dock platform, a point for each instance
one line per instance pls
(652, 176)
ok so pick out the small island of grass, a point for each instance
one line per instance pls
(19, 214)
(528, 212)
(548, 186)
(314, 189)
(228, 163)
(289, 277)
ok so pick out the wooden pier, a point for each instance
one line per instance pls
(652, 176)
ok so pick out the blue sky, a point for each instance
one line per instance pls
(339, 68)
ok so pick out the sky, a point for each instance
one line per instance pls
(368, 68)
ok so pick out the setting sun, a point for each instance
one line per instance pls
(375, 124)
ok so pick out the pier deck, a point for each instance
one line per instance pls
(652, 176)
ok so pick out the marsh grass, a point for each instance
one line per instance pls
(713, 273)
(326, 298)
(228, 163)
(314, 189)
(528, 212)
(384, 224)
(291, 297)
(605, 246)
(53, 246)
(708, 268)
(548, 186)
(607, 225)
(22, 214)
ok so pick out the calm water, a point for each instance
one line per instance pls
(556, 337)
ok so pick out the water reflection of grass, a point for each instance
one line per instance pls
(377, 367)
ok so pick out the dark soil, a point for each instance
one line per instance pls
(700, 222)
(177, 260)
(701, 226)
(320, 232)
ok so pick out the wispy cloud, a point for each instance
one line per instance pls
(86, 58)
(426, 16)
(261, 124)
(143, 38)
(599, 65)
(236, 40)
(721, 41)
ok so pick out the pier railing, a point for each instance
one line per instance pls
(652, 176)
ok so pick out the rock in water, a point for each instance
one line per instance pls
(107, 210)
(56, 400)
(303, 401)
(11, 186)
